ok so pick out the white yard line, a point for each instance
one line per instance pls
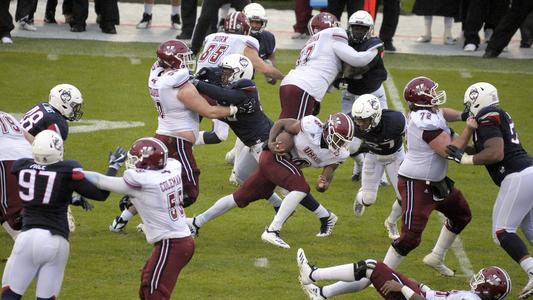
(457, 246)
(135, 61)
(52, 56)
(465, 73)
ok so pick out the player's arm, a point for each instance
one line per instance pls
(260, 65)
(462, 140)
(233, 96)
(437, 140)
(395, 286)
(452, 115)
(324, 179)
(28, 136)
(195, 102)
(110, 183)
(493, 152)
(291, 126)
(353, 57)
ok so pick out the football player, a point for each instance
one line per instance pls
(316, 144)
(318, 65)
(13, 146)
(153, 182)
(46, 184)
(491, 283)
(179, 106)
(381, 131)
(422, 180)
(64, 104)
(496, 145)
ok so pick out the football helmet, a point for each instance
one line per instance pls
(147, 153)
(236, 67)
(366, 110)
(478, 96)
(338, 130)
(322, 21)
(237, 22)
(256, 12)
(47, 147)
(175, 54)
(360, 26)
(491, 283)
(422, 92)
(67, 99)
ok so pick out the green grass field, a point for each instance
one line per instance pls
(104, 265)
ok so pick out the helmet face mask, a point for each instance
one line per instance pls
(236, 67)
(47, 147)
(491, 283)
(67, 99)
(148, 154)
(338, 131)
(176, 55)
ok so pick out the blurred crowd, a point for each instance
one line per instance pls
(497, 20)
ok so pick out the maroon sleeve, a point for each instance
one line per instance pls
(429, 135)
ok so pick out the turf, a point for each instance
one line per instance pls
(104, 265)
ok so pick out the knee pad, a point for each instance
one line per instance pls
(8, 294)
(406, 243)
(512, 244)
(458, 224)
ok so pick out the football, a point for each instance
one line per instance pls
(285, 142)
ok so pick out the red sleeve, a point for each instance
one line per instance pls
(77, 175)
(429, 135)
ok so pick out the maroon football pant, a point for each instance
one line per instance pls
(417, 205)
(161, 271)
(295, 102)
(10, 202)
(273, 170)
(181, 150)
(382, 273)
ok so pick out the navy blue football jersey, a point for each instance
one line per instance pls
(495, 122)
(250, 128)
(43, 116)
(46, 191)
(372, 75)
(387, 137)
(267, 43)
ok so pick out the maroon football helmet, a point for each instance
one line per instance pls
(491, 283)
(322, 21)
(422, 92)
(175, 54)
(147, 153)
(237, 22)
(338, 130)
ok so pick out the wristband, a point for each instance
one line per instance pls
(467, 159)
(407, 292)
(233, 110)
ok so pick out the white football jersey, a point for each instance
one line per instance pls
(421, 162)
(13, 145)
(307, 151)
(159, 201)
(451, 295)
(219, 45)
(318, 65)
(174, 116)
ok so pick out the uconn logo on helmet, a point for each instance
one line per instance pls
(65, 96)
(473, 95)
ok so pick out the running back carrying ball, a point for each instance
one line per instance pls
(284, 142)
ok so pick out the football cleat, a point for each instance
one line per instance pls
(392, 230)
(175, 22)
(140, 227)
(71, 221)
(118, 225)
(358, 208)
(437, 264)
(27, 26)
(312, 291)
(356, 177)
(233, 178)
(327, 224)
(145, 22)
(306, 270)
(527, 291)
(273, 238)
(195, 230)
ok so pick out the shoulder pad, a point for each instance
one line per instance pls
(72, 164)
(394, 119)
(133, 177)
(174, 78)
(311, 124)
(338, 33)
(489, 118)
(20, 164)
(425, 120)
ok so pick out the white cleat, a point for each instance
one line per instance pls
(327, 224)
(230, 157)
(358, 208)
(7, 40)
(192, 226)
(306, 270)
(313, 291)
(527, 291)
(272, 237)
(118, 225)
(437, 264)
(27, 26)
(392, 230)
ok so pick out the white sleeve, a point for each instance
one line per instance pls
(352, 57)
(110, 183)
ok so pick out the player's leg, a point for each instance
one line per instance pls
(396, 210)
(175, 20)
(218, 134)
(128, 212)
(54, 252)
(10, 202)
(295, 102)
(367, 194)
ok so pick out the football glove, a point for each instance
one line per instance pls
(117, 158)
(78, 200)
(211, 75)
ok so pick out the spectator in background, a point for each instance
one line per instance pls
(6, 23)
(80, 11)
(337, 7)
(107, 15)
(391, 15)
(208, 14)
(24, 14)
(303, 12)
(50, 11)
(175, 21)
(509, 24)
(477, 13)
(449, 9)
(526, 32)
(188, 13)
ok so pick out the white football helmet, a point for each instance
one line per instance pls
(478, 96)
(67, 99)
(367, 106)
(239, 66)
(47, 147)
(256, 12)
(360, 18)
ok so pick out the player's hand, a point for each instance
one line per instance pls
(322, 183)
(124, 203)
(391, 286)
(78, 200)
(117, 158)
(471, 123)
(247, 106)
(277, 148)
(211, 75)
(454, 153)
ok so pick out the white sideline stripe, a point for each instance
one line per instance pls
(457, 246)
(52, 56)
(465, 73)
(135, 61)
